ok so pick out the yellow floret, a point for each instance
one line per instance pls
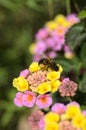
(72, 111)
(69, 55)
(66, 24)
(21, 84)
(32, 48)
(51, 117)
(53, 75)
(84, 127)
(34, 67)
(43, 88)
(60, 68)
(63, 117)
(55, 85)
(59, 19)
(79, 121)
(51, 126)
(51, 25)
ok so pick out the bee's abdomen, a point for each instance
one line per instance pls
(54, 66)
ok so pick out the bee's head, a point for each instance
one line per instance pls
(43, 61)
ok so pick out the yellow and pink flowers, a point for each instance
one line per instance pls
(44, 101)
(34, 84)
(29, 99)
(70, 117)
(50, 39)
(20, 83)
(63, 117)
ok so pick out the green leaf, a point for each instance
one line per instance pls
(33, 4)
(83, 107)
(3, 75)
(68, 64)
(10, 5)
(82, 86)
(82, 14)
(83, 55)
(7, 116)
(83, 52)
(75, 36)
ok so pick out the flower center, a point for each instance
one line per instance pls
(43, 100)
(29, 97)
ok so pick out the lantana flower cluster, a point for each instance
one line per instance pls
(50, 39)
(60, 117)
(68, 88)
(35, 86)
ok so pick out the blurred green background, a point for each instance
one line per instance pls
(19, 21)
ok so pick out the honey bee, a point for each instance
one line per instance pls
(48, 63)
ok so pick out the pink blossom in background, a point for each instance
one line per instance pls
(24, 73)
(36, 57)
(41, 46)
(49, 42)
(68, 52)
(60, 31)
(73, 103)
(52, 54)
(66, 48)
(42, 34)
(52, 41)
(28, 99)
(18, 99)
(44, 101)
(58, 44)
(58, 108)
(84, 112)
(73, 19)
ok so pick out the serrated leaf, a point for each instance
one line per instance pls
(82, 14)
(75, 36)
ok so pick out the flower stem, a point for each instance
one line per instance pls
(69, 99)
(76, 6)
(50, 8)
(68, 7)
